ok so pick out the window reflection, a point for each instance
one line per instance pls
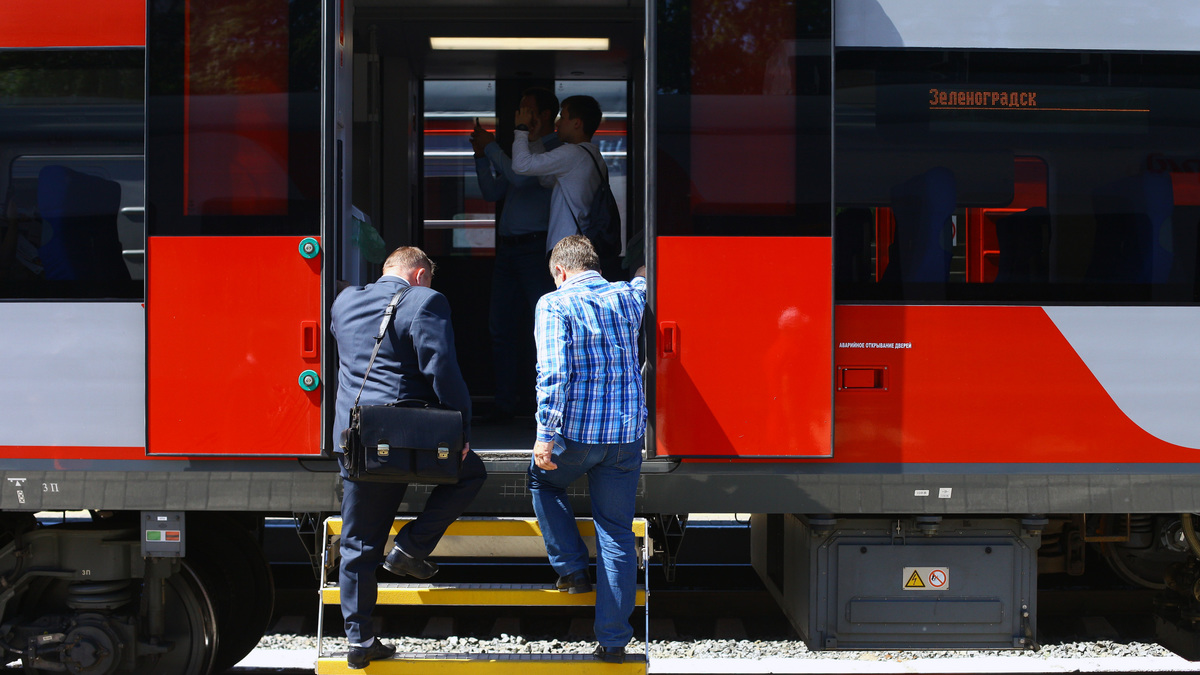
(71, 195)
(1016, 176)
(743, 118)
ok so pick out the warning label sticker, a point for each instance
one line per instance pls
(925, 579)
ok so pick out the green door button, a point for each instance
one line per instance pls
(309, 247)
(309, 380)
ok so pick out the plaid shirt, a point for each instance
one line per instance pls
(589, 384)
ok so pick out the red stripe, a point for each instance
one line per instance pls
(69, 452)
(83, 452)
(72, 23)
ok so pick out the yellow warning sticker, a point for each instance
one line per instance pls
(925, 579)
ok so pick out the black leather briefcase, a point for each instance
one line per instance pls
(403, 442)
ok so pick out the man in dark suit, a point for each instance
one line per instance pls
(416, 360)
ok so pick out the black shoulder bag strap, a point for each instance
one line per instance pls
(603, 179)
(387, 319)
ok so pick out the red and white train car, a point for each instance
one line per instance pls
(924, 291)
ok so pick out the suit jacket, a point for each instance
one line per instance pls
(416, 359)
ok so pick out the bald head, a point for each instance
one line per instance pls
(411, 264)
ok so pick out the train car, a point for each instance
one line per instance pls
(923, 278)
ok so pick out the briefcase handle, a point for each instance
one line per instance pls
(413, 403)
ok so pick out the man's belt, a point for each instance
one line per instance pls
(522, 238)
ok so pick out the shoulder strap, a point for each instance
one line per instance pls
(383, 325)
(603, 179)
(603, 172)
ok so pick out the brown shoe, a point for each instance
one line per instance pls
(575, 582)
(610, 654)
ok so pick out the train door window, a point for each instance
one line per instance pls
(71, 130)
(234, 127)
(457, 220)
(743, 124)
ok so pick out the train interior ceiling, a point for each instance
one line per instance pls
(413, 173)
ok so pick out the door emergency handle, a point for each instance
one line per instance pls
(308, 339)
(668, 343)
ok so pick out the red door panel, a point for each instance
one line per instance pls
(232, 323)
(744, 362)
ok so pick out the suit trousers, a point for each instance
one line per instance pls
(520, 278)
(368, 510)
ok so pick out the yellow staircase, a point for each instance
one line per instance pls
(498, 532)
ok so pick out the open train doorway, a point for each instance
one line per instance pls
(412, 178)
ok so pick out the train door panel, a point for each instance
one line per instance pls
(744, 351)
(234, 246)
(741, 205)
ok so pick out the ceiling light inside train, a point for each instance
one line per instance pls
(520, 43)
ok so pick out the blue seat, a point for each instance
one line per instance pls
(1133, 230)
(923, 207)
(81, 211)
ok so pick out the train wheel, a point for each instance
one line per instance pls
(240, 583)
(191, 629)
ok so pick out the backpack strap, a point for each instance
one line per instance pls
(603, 178)
(603, 172)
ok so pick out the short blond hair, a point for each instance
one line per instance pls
(575, 254)
(408, 258)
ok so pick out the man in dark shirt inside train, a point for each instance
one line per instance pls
(591, 419)
(416, 360)
(519, 277)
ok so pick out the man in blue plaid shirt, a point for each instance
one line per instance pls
(591, 418)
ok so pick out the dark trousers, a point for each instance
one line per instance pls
(367, 513)
(520, 278)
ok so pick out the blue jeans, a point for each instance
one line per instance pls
(612, 471)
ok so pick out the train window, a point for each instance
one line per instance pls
(457, 217)
(234, 129)
(71, 130)
(743, 86)
(458, 220)
(1016, 176)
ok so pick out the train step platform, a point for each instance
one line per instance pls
(498, 537)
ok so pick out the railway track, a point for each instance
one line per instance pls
(712, 612)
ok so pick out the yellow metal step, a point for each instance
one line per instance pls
(506, 595)
(505, 664)
(496, 527)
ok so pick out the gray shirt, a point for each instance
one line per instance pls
(574, 177)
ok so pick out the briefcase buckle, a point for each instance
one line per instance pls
(443, 452)
(383, 449)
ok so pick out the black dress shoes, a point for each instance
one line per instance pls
(399, 562)
(359, 657)
(610, 654)
(575, 582)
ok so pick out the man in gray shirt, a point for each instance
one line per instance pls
(567, 167)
